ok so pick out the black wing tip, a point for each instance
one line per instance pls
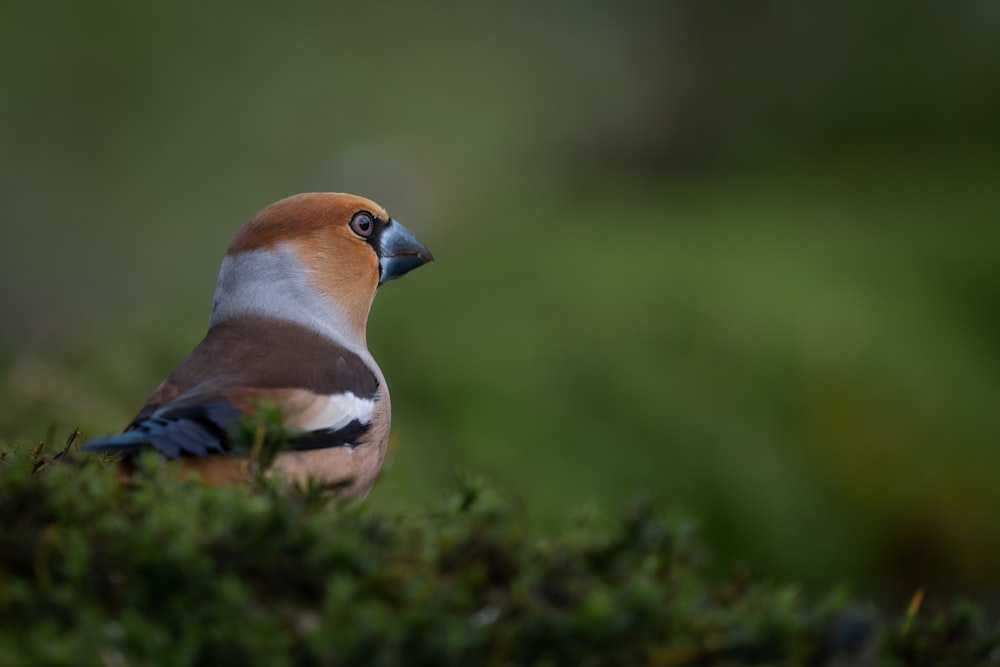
(198, 431)
(121, 443)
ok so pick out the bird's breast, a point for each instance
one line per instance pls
(350, 467)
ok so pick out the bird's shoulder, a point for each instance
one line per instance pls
(328, 395)
(266, 354)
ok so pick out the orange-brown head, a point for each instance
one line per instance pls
(316, 247)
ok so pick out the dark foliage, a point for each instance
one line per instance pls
(167, 571)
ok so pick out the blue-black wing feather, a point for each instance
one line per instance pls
(186, 430)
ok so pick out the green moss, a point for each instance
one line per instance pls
(168, 571)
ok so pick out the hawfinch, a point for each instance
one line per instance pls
(287, 328)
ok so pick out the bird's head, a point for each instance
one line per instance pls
(344, 245)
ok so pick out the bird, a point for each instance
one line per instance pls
(287, 328)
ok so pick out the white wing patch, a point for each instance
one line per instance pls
(339, 411)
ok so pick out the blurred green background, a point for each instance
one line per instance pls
(739, 256)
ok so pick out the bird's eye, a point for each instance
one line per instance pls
(362, 224)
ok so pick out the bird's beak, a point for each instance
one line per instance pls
(400, 252)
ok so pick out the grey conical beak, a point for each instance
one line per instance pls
(399, 252)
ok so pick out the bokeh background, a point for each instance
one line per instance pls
(741, 257)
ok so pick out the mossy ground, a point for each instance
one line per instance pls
(162, 570)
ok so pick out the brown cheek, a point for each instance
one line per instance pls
(346, 269)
